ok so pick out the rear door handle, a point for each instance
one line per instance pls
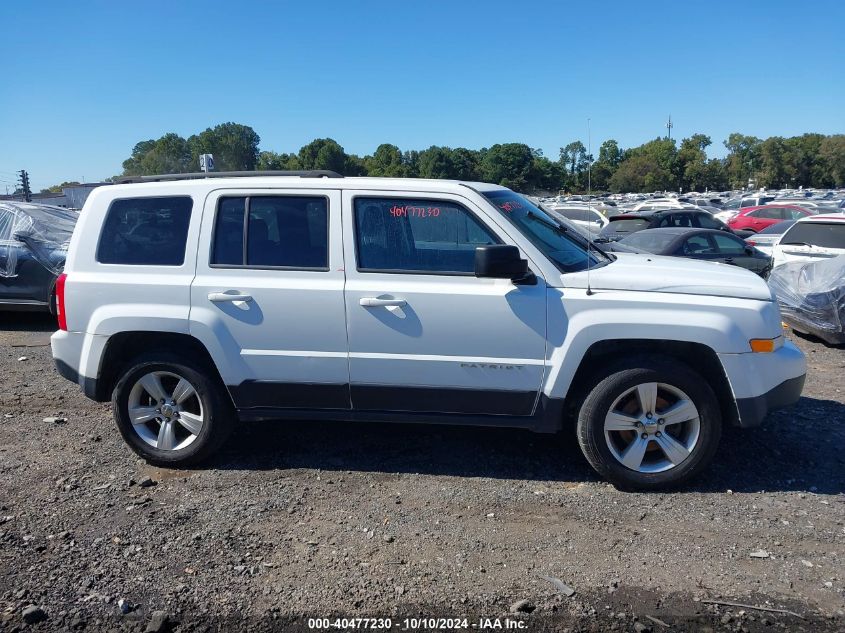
(218, 297)
(373, 302)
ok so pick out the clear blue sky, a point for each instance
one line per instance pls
(84, 81)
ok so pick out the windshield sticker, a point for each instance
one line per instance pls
(510, 205)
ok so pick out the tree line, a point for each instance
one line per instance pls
(809, 160)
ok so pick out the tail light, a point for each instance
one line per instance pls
(60, 302)
(751, 242)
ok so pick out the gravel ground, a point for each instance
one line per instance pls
(317, 519)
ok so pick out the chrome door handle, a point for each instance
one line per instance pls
(373, 302)
(218, 297)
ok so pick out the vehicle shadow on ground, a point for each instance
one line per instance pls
(27, 322)
(798, 449)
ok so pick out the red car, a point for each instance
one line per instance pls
(758, 218)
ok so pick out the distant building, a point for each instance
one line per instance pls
(71, 197)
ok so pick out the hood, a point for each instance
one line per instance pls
(653, 273)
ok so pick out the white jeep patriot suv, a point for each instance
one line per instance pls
(195, 304)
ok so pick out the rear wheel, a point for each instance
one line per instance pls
(650, 423)
(170, 411)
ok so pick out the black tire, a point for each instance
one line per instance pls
(219, 414)
(613, 383)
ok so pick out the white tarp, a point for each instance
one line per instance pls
(811, 296)
(42, 229)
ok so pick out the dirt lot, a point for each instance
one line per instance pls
(318, 519)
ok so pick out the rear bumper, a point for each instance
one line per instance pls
(752, 411)
(88, 385)
(77, 356)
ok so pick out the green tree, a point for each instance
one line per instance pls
(509, 165)
(610, 156)
(386, 161)
(323, 153)
(775, 168)
(466, 164)
(640, 172)
(436, 162)
(692, 162)
(169, 154)
(575, 160)
(743, 158)
(832, 158)
(234, 146)
(271, 161)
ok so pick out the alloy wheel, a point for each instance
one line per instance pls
(165, 410)
(652, 427)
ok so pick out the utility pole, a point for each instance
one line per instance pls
(669, 126)
(27, 194)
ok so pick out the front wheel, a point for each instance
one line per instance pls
(648, 424)
(171, 411)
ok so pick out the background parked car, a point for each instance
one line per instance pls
(33, 247)
(765, 239)
(704, 244)
(758, 218)
(586, 217)
(622, 225)
(811, 238)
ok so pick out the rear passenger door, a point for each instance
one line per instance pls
(268, 297)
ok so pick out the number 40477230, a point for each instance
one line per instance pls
(414, 212)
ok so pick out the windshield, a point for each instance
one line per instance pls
(816, 234)
(565, 248)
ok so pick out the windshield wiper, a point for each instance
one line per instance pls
(544, 221)
(796, 244)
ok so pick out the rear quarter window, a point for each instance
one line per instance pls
(145, 231)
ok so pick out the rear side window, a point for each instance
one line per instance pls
(145, 231)
(820, 234)
(424, 236)
(272, 232)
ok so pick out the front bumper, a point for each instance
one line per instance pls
(764, 382)
(752, 411)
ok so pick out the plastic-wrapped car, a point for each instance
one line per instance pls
(812, 297)
(33, 247)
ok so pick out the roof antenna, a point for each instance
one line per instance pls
(589, 203)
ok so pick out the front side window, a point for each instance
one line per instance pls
(697, 245)
(145, 231)
(566, 249)
(417, 235)
(272, 232)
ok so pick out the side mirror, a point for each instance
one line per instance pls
(502, 261)
(749, 250)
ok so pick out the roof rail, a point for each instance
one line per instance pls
(200, 175)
